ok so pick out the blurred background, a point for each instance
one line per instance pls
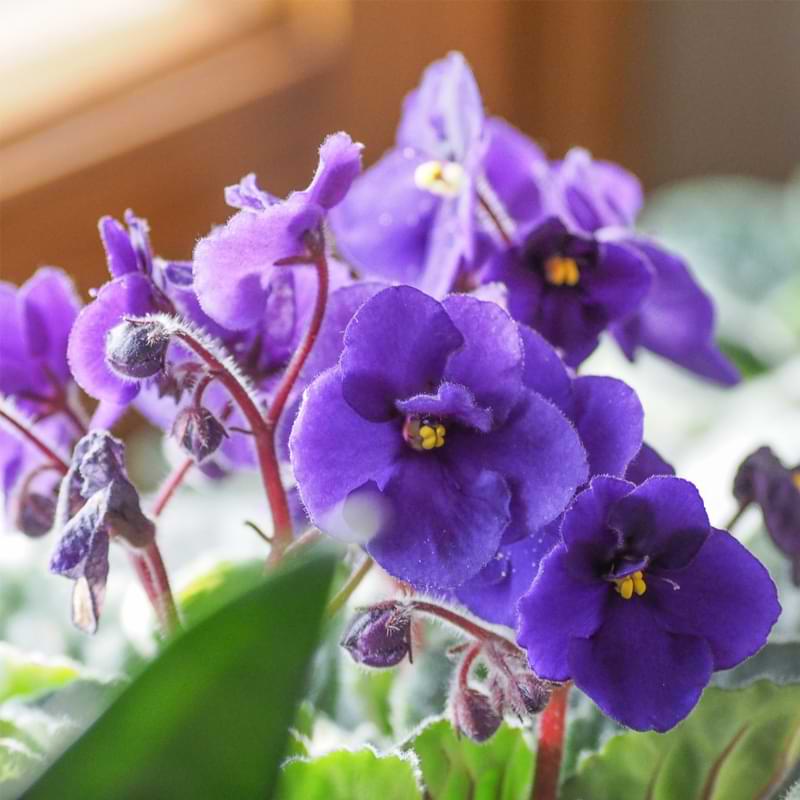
(158, 104)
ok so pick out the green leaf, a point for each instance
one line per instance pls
(454, 768)
(211, 590)
(778, 662)
(732, 747)
(23, 675)
(346, 775)
(210, 716)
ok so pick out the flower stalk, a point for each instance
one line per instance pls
(550, 748)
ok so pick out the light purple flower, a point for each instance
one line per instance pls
(425, 442)
(235, 266)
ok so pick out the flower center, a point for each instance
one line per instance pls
(561, 271)
(444, 178)
(631, 584)
(796, 479)
(424, 433)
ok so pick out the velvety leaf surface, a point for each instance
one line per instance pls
(454, 768)
(346, 775)
(734, 746)
(23, 675)
(210, 716)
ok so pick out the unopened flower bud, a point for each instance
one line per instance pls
(198, 432)
(534, 692)
(34, 513)
(379, 636)
(474, 715)
(137, 349)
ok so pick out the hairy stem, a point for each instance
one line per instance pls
(170, 485)
(24, 432)
(263, 437)
(282, 536)
(495, 218)
(550, 746)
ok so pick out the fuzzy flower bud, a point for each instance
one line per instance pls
(379, 636)
(198, 432)
(137, 349)
(474, 714)
(34, 513)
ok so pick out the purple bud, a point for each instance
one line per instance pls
(34, 513)
(198, 432)
(379, 636)
(534, 692)
(474, 715)
(137, 349)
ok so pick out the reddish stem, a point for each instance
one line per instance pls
(466, 625)
(170, 486)
(27, 434)
(282, 537)
(494, 217)
(466, 665)
(551, 745)
(263, 437)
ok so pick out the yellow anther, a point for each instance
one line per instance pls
(796, 479)
(424, 434)
(625, 588)
(631, 584)
(562, 271)
(444, 178)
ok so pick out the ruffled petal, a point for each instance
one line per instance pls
(384, 223)
(451, 403)
(516, 169)
(544, 371)
(444, 116)
(591, 543)
(493, 594)
(395, 346)
(233, 264)
(538, 452)
(335, 451)
(664, 519)
(724, 595)
(557, 609)
(442, 526)
(339, 165)
(676, 320)
(646, 464)
(493, 374)
(638, 673)
(132, 295)
(610, 421)
(621, 281)
(120, 255)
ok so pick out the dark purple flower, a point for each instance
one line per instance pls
(234, 266)
(676, 318)
(763, 479)
(609, 419)
(96, 502)
(410, 218)
(425, 441)
(379, 636)
(35, 321)
(570, 286)
(642, 600)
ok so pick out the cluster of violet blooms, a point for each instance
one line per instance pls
(430, 410)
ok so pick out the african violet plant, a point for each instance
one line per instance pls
(397, 352)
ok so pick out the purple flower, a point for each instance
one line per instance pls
(676, 318)
(570, 286)
(234, 266)
(425, 442)
(642, 600)
(763, 479)
(96, 502)
(609, 419)
(35, 321)
(410, 218)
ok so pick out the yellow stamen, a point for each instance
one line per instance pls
(424, 435)
(630, 585)
(562, 271)
(796, 479)
(444, 178)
